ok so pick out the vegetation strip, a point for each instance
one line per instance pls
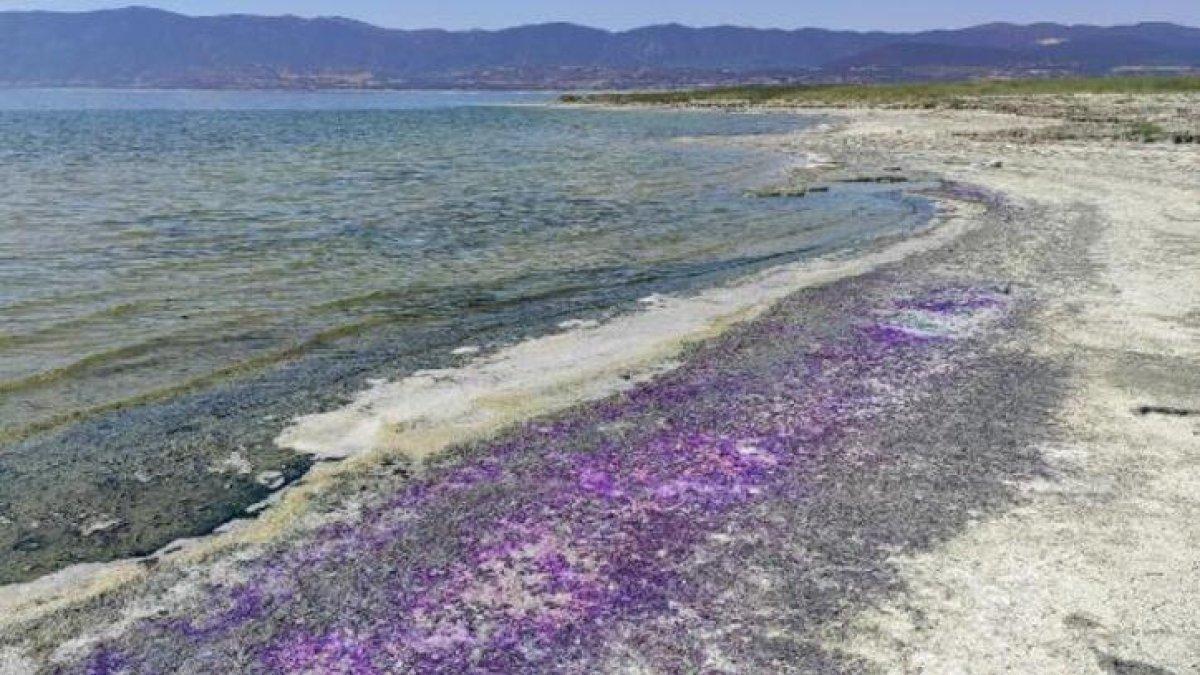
(916, 95)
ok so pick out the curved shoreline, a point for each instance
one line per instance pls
(518, 382)
(1028, 458)
(189, 458)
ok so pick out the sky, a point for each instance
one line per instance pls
(621, 14)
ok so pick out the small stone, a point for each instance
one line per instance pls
(234, 463)
(27, 545)
(571, 324)
(779, 191)
(102, 526)
(272, 480)
(466, 351)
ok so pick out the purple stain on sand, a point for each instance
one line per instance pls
(106, 661)
(895, 336)
(338, 651)
(598, 482)
(593, 537)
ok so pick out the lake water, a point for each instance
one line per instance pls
(183, 272)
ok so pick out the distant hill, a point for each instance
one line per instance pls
(138, 46)
(928, 55)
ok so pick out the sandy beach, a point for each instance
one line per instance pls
(1087, 572)
(969, 450)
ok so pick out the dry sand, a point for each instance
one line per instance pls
(1099, 569)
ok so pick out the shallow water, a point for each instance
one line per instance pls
(180, 273)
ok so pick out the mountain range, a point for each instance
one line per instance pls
(139, 46)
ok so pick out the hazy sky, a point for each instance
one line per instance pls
(859, 14)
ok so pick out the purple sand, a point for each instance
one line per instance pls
(519, 551)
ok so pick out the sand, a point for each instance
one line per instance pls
(1098, 570)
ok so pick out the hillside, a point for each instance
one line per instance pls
(139, 46)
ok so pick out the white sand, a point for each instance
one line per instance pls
(1099, 571)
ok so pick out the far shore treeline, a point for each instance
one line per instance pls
(924, 94)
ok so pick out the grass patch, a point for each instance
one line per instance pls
(1147, 132)
(932, 94)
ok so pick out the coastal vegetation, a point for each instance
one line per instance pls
(1053, 98)
(912, 95)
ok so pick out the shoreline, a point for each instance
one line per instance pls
(1048, 246)
(140, 465)
(624, 351)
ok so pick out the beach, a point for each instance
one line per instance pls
(1087, 573)
(967, 449)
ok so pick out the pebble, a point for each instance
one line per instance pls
(272, 480)
(101, 526)
(578, 323)
(234, 463)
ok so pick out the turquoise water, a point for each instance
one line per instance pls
(181, 272)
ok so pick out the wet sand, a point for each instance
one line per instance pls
(1007, 481)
